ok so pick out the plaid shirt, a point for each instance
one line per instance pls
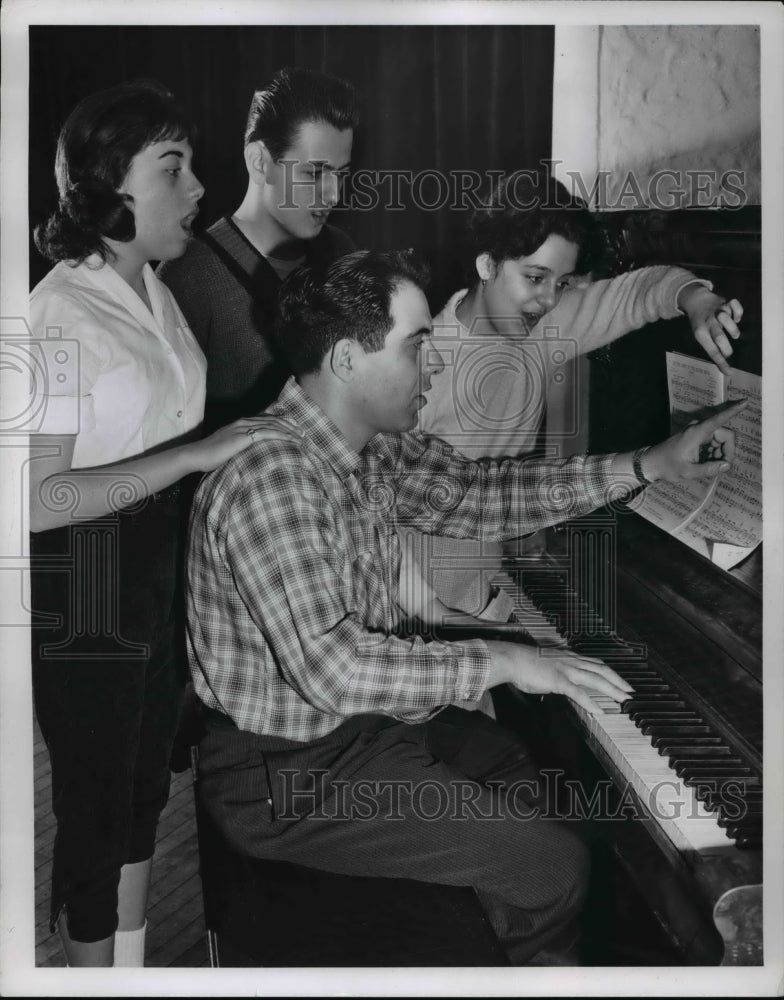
(294, 560)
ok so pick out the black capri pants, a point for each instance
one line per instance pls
(107, 681)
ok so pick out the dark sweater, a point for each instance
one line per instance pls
(233, 327)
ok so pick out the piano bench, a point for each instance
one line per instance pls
(262, 913)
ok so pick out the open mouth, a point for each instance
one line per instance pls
(531, 319)
(187, 222)
(421, 399)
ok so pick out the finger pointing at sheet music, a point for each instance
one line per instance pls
(713, 321)
(703, 449)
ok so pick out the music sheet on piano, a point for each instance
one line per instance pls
(721, 518)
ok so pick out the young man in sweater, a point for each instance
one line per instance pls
(297, 150)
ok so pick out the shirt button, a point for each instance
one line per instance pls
(179, 413)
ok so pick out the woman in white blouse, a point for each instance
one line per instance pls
(119, 430)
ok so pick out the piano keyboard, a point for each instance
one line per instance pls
(674, 762)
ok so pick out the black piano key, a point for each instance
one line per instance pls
(639, 667)
(643, 689)
(753, 781)
(586, 624)
(697, 772)
(648, 722)
(714, 798)
(663, 709)
(734, 790)
(747, 829)
(652, 726)
(743, 837)
(663, 712)
(749, 826)
(730, 819)
(653, 702)
(726, 822)
(656, 698)
(690, 772)
(678, 763)
(544, 593)
(666, 746)
(547, 598)
(671, 732)
(688, 753)
(667, 731)
(743, 802)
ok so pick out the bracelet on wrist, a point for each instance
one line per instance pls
(637, 466)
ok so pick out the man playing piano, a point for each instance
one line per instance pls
(328, 743)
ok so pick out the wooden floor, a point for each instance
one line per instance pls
(175, 918)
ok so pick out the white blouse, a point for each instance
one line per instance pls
(130, 379)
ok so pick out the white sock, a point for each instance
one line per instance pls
(129, 948)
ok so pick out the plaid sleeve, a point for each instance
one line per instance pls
(292, 560)
(441, 492)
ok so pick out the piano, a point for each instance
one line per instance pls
(683, 756)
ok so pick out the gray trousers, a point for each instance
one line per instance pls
(456, 800)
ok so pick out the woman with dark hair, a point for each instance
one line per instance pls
(119, 430)
(530, 308)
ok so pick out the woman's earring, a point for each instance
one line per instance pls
(484, 283)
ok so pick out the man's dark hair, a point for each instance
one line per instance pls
(349, 298)
(522, 210)
(296, 96)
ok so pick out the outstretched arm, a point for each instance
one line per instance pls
(602, 311)
(439, 492)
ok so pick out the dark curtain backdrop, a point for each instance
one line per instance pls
(436, 98)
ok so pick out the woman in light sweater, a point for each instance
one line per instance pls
(507, 339)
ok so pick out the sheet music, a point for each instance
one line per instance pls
(695, 387)
(671, 506)
(721, 518)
